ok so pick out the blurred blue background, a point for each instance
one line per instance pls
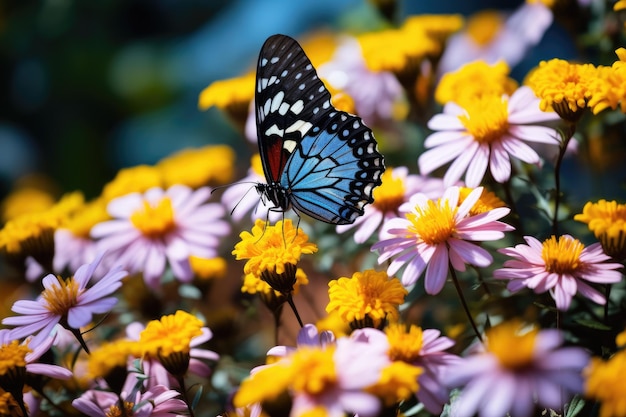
(91, 86)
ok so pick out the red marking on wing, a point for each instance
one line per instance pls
(275, 158)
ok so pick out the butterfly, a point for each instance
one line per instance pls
(318, 160)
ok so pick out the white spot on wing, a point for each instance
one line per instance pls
(274, 130)
(297, 107)
(283, 109)
(290, 145)
(277, 101)
(299, 126)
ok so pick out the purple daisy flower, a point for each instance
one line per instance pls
(519, 370)
(562, 266)
(162, 227)
(487, 134)
(67, 302)
(158, 401)
(434, 235)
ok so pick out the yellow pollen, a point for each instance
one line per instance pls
(404, 345)
(433, 224)
(156, 221)
(514, 349)
(12, 355)
(562, 256)
(486, 119)
(314, 370)
(114, 410)
(390, 195)
(60, 298)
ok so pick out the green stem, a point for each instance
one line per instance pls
(293, 307)
(557, 176)
(459, 291)
(183, 392)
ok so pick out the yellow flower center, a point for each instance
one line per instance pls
(486, 119)
(60, 298)
(398, 382)
(561, 256)
(314, 370)
(487, 201)
(115, 411)
(12, 355)
(404, 345)
(483, 26)
(514, 350)
(433, 224)
(369, 296)
(390, 195)
(155, 221)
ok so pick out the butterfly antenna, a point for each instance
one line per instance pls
(242, 197)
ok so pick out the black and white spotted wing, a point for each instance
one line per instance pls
(321, 161)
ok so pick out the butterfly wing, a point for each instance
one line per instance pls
(323, 161)
(289, 95)
(334, 171)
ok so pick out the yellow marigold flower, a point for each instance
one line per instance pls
(610, 85)
(367, 299)
(605, 384)
(308, 370)
(209, 165)
(110, 362)
(32, 234)
(225, 94)
(31, 195)
(398, 382)
(607, 221)
(273, 252)
(396, 50)
(563, 86)
(207, 269)
(83, 219)
(130, 180)
(436, 26)
(169, 339)
(473, 81)
(487, 201)
(111, 355)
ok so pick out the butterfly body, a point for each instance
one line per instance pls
(318, 160)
